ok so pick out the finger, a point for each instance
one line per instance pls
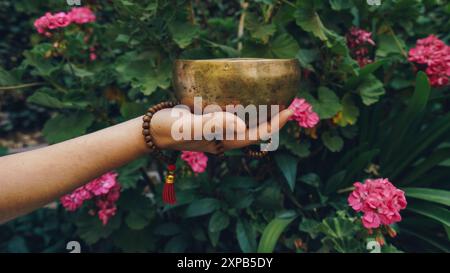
(262, 132)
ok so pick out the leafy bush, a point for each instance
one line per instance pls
(378, 120)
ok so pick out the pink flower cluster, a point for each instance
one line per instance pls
(433, 55)
(359, 40)
(104, 189)
(379, 200)
(197, 160)
(303, 113)
(50, 21)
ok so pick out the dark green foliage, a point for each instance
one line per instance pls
(382, 120)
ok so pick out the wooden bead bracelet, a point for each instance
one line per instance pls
(168, 189)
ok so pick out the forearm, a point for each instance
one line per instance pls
(32, 179)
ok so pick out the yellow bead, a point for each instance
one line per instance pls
(170, 179)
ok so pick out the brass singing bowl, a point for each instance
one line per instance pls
(237, 81)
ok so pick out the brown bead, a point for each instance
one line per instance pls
(148, 138)
(145, 132)
(146, 118)
(145, 125)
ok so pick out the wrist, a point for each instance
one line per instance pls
(139, 139)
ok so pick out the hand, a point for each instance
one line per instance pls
(162, 122)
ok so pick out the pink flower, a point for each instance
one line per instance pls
(371, 220)
(106, 213)
(433, 56)
(82, 15)
(75, 200)
(92, 56)
(103, 184)
(61, 19)
(50, 21)
(197, 160)
(104, 189)
(358, 41)
(41, 24)
(303, 113)
(379, 200)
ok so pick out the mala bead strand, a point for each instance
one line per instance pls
(168, 189)
(220, 149)
(168, 194)
(256, 154)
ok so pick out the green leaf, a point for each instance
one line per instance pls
(129, 174)
(91, 229)
(259, 31)
(296, 147)
(35, 58)
(44, 99)
(131, 110)
(310, 226)
(327, 104)
(134, 241)
(264, 32)
(370, 90)
(214, 237)
(341, 4)
(138, 209)
(136, 220)
(334, 182)
(415, 108)
(183, 33)
(63, 127)
(6, 77)
(201, 207)
(288, 166)
(429, 239)
(311, 179)
(310, 21)
(246, 236)
(427, 194)
(357, 165)
(350, 111)
(364, 72)
(273, 231)
(284, 46)
(389, 44)
(177, 244)
(218, 221)
(159, 77)
(435, 212)
(229, 51)
(77, 71)
(142, 73)
(306, 57)
(334, 143)
(432, 161)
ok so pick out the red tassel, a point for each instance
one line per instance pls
(169, 194)
(169, 187)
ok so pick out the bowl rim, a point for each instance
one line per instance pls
(223, 60)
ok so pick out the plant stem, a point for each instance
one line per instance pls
(344, 190)
(244, 6)
(289, 3)
(20, 86)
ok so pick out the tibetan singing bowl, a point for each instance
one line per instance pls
(240, 81)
